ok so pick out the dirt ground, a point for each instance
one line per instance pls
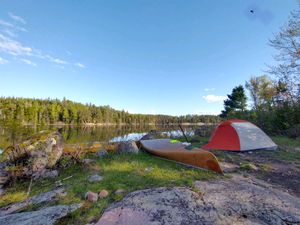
(280, 168)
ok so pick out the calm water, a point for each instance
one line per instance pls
(81, 134)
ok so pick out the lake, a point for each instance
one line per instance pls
(88, 134)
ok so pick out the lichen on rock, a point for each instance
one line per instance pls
(34, 155)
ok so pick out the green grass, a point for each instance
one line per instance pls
(285, 141)
(125, 171)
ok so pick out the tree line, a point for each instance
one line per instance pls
(55, 111)
(275, 96)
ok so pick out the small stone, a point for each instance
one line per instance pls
(120, 191)
(103, 194)
(87, 161)
(101, 153)
(148, 169)
(228, 167)
(95, 178)
(297, 149)
(91, 196)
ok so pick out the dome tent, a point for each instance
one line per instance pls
(239, 135)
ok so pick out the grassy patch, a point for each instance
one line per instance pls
(285, 141)
(129, 172)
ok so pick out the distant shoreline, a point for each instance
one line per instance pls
(108, 124)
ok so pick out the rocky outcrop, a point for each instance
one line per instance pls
(127, 147)
(32, 157)
(239, 201)
(37, 199)
(155, 207)
(44, 216)
(248, 201)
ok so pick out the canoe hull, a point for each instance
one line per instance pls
(176, 152)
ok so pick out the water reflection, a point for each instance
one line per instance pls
(83, 134)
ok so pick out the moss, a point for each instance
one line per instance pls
(248, 166)
(12, 197)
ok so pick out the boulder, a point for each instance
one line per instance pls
(127, 147)
(103, 194)
(44, 216)
(45, 174)
(101, 153)
(95, 178)
(33, 156)
(37, 199)
(153, 134)
(91, 196)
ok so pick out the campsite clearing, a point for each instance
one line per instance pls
(280, 167)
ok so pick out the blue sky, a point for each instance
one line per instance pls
(144, 56)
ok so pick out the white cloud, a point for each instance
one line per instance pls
(79, 65)
(6, 24)
(209, 89)
(214, 98)
(27, 61)
(9, 44)
(10, 33)
(16, 18)
(58, 61)
(13, 47)
(11, 26)
(3, 61)
(21, 29)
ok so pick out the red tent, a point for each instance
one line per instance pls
(239, 135)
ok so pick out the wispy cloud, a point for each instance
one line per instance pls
(214, 98)
(10, 33)
(13, 47)
(56, 60)
(79, 65)
(6, 24)
(16, 18)
(209, 89)
(9, 44)
(3, 61)
(9, 25)
(27, 61)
